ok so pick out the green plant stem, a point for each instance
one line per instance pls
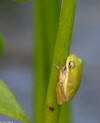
(1, 44)
(52, 12)
(46, 29)
(62, 47)
(40, 63)
(65, 114)
(21, 0)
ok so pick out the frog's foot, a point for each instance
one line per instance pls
(57, 67)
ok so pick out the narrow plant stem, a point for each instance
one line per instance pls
(62, 48)
(40, 63)
(1, 44)
(46, 29)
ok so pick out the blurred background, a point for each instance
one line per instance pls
(16, 62)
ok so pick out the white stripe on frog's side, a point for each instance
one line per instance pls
(66, 81)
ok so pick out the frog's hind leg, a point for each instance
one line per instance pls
(60, 93)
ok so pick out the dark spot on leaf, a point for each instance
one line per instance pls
(51, 108)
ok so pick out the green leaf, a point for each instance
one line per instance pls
(9, 105)
(1, 44)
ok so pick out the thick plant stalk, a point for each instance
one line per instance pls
(65, 114)
(52, 12)
(46, 29)
(62, 48)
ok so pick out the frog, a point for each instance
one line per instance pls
(69, 79)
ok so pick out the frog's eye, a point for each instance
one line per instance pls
(71, 64)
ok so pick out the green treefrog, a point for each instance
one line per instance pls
(69, 79)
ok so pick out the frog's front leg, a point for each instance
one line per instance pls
(60, 85)
(57, 67)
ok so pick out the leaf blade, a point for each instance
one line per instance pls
(9, 105)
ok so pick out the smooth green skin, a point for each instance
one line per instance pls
(9, 105)
(74, 76)
(69, 79)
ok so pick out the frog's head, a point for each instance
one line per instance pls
(74, 63)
